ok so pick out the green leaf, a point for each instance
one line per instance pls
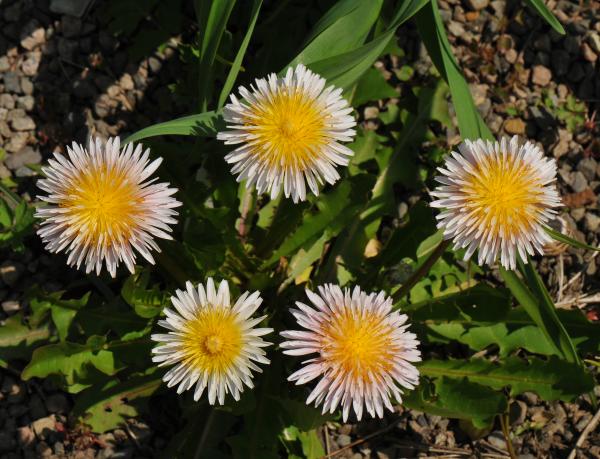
(343, 70)
(147, 302)
(457, 398)
(544, 12)
(547, 312)
(62, 311)
(107, 407)
(544, 377)
(541, 314)
(431, 30)
(237, 62)
(5, 214)
(71, 361)
(331, 207)
(212, 20)
(343, 28)
(17, 340)
(372, 86)
(205, 124)
(569, 240)
(405, 240)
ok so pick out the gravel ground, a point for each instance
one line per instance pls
(63, 78)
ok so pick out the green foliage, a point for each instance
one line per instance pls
(18, 339)
(16, 220)
(103, 409)
(94, 338)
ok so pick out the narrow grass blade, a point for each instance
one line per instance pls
(431, 30)
(212, 21)
(569, 240)
(202, 125)
(544, 12)
(237, 62)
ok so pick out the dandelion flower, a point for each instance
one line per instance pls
(102, 205)
(212, 344)
(497, 197)
(363, 350)
(289, 130)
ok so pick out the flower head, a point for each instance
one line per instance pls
(363, 350)
(289, 130)
(101, 205)
(211, 343)
(497, 197)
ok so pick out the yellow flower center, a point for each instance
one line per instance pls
(503, 196)
(212, 341)
(102, 204)
(289, 129)
(359, 344)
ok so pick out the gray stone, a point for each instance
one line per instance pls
(497, 439)
(57, 403)
(11, 307)
(591, 222)
(36, 38)
(10, 272)
(7, 441)
(27, 155)
(4, 128)
(71, 26)
(571, 44)
(83, 89)
(343, 440)
(588, 54)
(11, 82)
(25, 436)
(43, 426)
(26, 86)
(541, 75)
(25, 123)
(594, 41)
(72, 7)
(588, 167)
(16, 142)
(579, 182)
(31, 64)
(499, 6)
(66, 48)
(154, 64)
(4, 64)
(477, 5)
(576, 72)
(456, 29)
(126, 82)
(15, 113)
(37, 409)
(7, 101)
(26, 103)
(560, 62)
(578, 213)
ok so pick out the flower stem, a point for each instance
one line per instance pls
(506, 432)
(421, 271)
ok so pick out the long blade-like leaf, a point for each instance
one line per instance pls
(548, 312)
(540, 314)
(237, 62)
(212, 21)
(560, 237)
(203, 125)
(544, 12)
(431, 29)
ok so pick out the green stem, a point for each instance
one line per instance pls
(12, 197)
(421, 271)
(506, 432)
